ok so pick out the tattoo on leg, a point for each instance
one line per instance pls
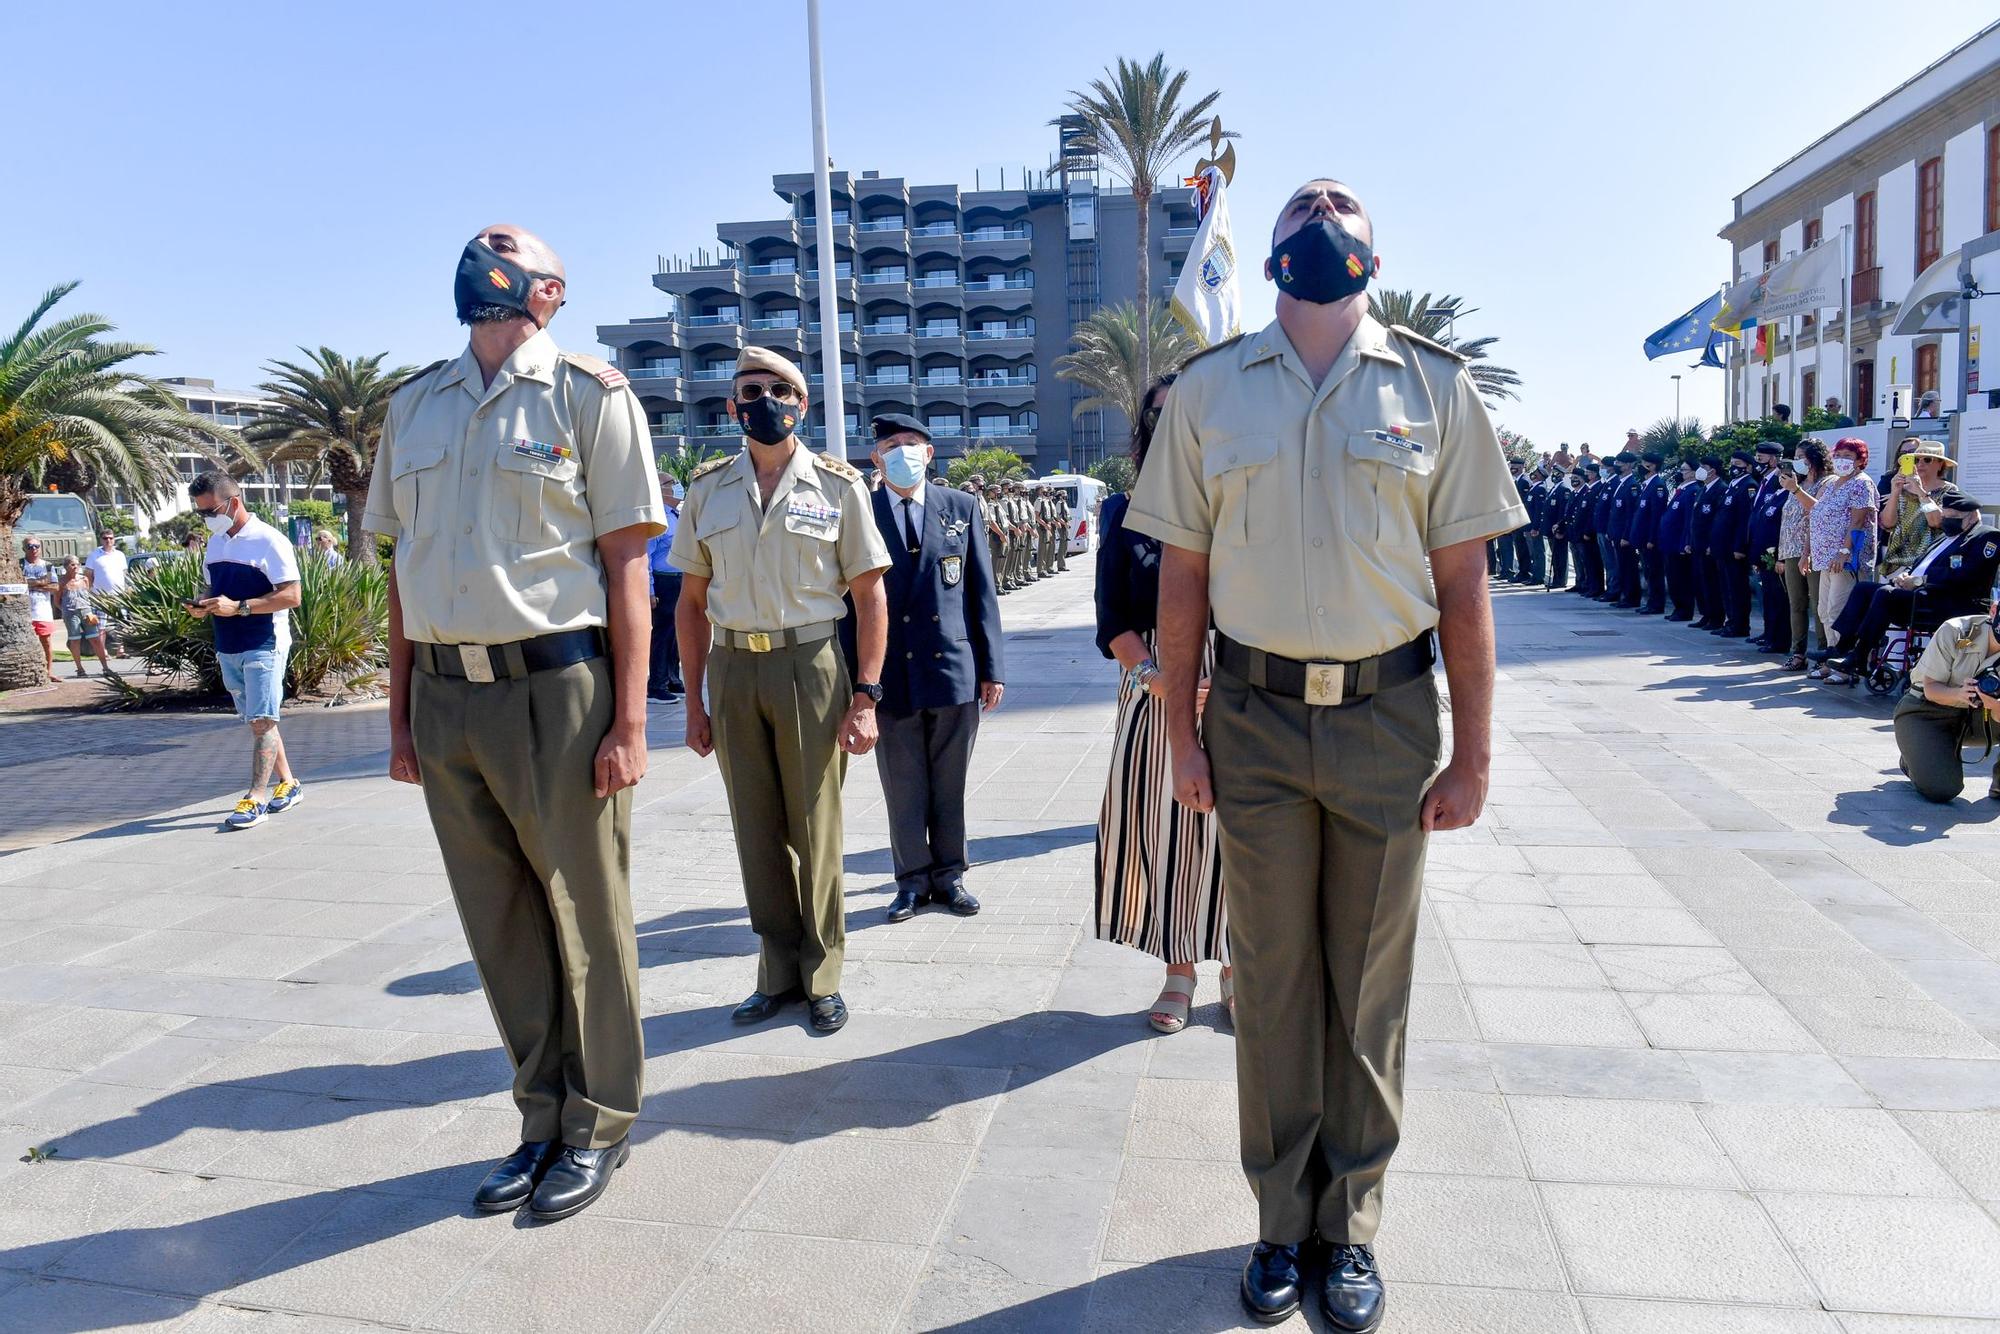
(262, 757)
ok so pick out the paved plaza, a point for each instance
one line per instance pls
(1702, 1040)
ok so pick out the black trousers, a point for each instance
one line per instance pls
(1714, 608)
(1736, 592)
(664, 666)
(1681, 584)
(1580, 551)
(1777, 607)
(1628, 575)
(923, 757)
(1503, 554)
(1558, 562)
(1881, 606)
(1492, 558)
(1655, 562)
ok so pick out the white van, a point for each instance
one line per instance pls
(1085, 495)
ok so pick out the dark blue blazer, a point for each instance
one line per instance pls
(1707, 514)
(944, 615)
(1675, 518)
(1653, 493)
(1768, 516)
(1624, 508)
(1732, 526)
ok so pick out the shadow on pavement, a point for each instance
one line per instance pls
(1194, 1293)
(210, 1250)
(1892, 813)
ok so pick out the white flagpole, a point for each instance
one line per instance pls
(1860, 412)
(833, 402)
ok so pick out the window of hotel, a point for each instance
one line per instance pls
(1927, 369)
(1993, 179)
(1930, 213)
(1815, 231)
(1808, 390)
(1770, 253)
(1864, 232)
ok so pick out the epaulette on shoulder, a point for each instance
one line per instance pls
(713, 465)
(412, 379)
(1422, 341)
(840, 468)
(596, 368)
(1213, 348)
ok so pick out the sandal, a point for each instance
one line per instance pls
(1170, 1011)
(1818, 673)
(1836, 677)
(1229, 1000)
(1795, 663)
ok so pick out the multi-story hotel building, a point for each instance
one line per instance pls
(1912, 179)
(953, 307)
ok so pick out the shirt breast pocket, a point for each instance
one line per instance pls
(720, 534)
(1388, 484)
(532, 498)
(417, 489)
(815, 549)
(1242, 475)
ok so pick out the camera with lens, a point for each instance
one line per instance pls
(1988, 684)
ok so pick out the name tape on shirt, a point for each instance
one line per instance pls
(536, 449)
(1398, 436)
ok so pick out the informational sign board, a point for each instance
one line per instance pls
(1978, 471)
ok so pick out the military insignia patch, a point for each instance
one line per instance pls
(1957, 562)
(1992, 545)
(535, 449)
(611, 377)
(953, 569)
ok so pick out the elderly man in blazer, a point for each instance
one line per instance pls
(943, 665)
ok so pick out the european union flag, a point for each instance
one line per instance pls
(1691, 331)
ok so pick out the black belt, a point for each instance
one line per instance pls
(1326, 682)
(489, 662)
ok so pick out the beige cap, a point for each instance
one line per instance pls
(764, 359)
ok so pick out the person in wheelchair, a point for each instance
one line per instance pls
(1953, 693)
(1954, 577)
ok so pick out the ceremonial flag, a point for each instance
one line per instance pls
(1801, 285)
(1692, 330)
(1208, 300)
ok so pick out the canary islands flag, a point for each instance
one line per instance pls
(1692, 332)
(1208, 299)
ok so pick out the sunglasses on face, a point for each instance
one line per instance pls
(783, 390)
(1149, 417)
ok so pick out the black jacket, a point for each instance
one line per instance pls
(944, 615)
(1960, 581)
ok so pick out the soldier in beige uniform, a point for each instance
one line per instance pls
(1944, 708)
(517, 482)
(1300, 479)
(1059, 516)
(769, 541)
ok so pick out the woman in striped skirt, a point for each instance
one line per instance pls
(1159, 870)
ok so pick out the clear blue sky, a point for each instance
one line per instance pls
(233, 180)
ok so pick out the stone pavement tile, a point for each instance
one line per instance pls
(1637, 926)
(67, 943)
(1837, 1150)
(55, 1304)
(341, 1142)
(1911, 1256)
(1506, 921)
(682, 1175)
(1708, 863)
(1804, 1079)
(592, 1273)
(1485, 887)
(948, 1104)
(1849, 972)
(375, 1257)
(1419, 1308)
(1687, 969)
(365, 962)
(1593, 1072)
(1608, 1140)
(1551, 1016)
(1457, 1067)
(1030, 1230)
(1609, 891)
(26, 1083)
(1875, 1026)
(201, 1237)
(1966, 1144)
(1855, 1323)
(1645, 1241)
(1980, 929)
(1970, 989)
(1939, 897)
(432, 1068)
(48, 1208)
(178, 1130)
(1463, 1134)
(1900, 933)
(1718, 1023)
(83, 1038)
(961, 1292)
(1913, 864)
(1583, 861)
(1438, 1013)
(1476, 1231)
(756, 1283)
(1166, 1208)
(305, 1058)
(859, 1189)
(1617, 1316)
(260, 956)
(1525, 963)
(1703, 895)
(1483, 859)
(1799, 928)
(1432, 960)
(1925, 1084)
(166, 1062)
(1195, 1293)
(741, 1091)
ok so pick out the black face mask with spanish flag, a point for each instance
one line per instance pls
(488, 279)
(1321, 262)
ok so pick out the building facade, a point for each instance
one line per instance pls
(230, 409)
(1909, 181)
(953, 307)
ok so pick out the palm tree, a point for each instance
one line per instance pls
(1432, 317)
(71, 407)
(1109, 357)
(329, 414)
(1136, 123)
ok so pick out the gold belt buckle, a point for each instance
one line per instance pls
(1326, 682)
(757, 641)
(477, 662)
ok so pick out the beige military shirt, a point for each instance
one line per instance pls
(1956, 654)
(783, 565)
(1317, 505)
(496, 494)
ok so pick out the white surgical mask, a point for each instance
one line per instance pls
(219, 522)
(1843, 466)
(1799, 466)
(904, 466)
(1703, 473)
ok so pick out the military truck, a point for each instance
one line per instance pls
(65, 524)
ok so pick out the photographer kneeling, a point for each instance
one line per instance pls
(1953, 690)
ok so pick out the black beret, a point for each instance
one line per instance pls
(1625, 456)
(1743, 454)
(1957, 500)
(1654, 457)
(1770, 447)
(895, 423)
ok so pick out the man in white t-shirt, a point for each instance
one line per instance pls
(253, 583)
(107, 564)
(41, 582)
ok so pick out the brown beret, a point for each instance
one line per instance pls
(764, 359)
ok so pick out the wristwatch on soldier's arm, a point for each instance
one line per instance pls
(872, 689)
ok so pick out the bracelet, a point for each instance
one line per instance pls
(1142, 676)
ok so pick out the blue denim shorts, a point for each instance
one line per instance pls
(255, 680)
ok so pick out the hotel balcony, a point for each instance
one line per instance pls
(998, 242)
(886, 337)
(771, 280)
(1003, 293)
(1000, 340)
(703, 280)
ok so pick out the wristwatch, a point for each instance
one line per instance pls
(872, 689)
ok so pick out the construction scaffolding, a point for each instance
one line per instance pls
(1076, 172)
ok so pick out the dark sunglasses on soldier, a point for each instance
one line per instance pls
(752, 390)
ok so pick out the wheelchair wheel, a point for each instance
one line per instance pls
(1884, 680)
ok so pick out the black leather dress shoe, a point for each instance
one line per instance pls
(761, 1007)
(906, 904)
(1351, 1297)
(514, 1178)
(955, 897)
(829, 1014)
(575, 1180)
(1271, 1283)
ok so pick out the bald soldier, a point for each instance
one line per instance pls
(1325, 487)
(517, 483)
(768, 543)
